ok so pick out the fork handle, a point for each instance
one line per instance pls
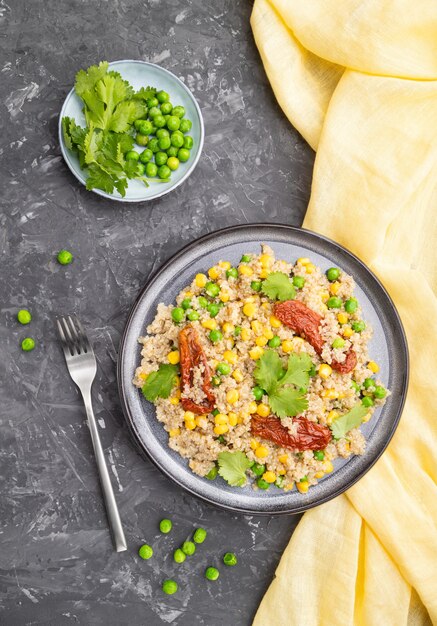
(108, 492)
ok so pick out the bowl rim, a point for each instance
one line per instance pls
(131, 422)
(158, 194)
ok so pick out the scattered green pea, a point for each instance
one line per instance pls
(173, 163)
(245, 258)
(165, 526)
(177, 314)
(183, 154)
(212, 573)
(257, 393)
(151, 170)
(164, 144)
(162, 96)
(154, 144)
(212, 474)
(166, 108)
(146, 155)
(304, 479)
(279, 482)
(379, 392)
(64, 257)
(351, 305)
(367, 401)
(177, 140)
(358, 326)
(262, 484)
(298, 281)
(188, 548)
(172, 151)
(202, 302)
(332, 274)
(186, 303)
(161, 158)
(185, 126)
(27, 344)
(179, 111)
(216, 381)
(319, 455)
(164, 172)
(145, 127)
(179, 556)
(142, 140)
(188, 142)
(334, 302)
(154, 111)
(173, 123)
(132, 155)
(193, 316)
(213, 309)
(338, 342)
(212, 289)
(169, 587)
(274, 342)
(24, 316)
(152, 102)
(215, 335)
(223, 368)
(355, 386)
(232, 272)
(258, 469)
(256, 285)
(237, 331)
(145, 552)
(199, 535)
(369, 382)
(230, 559)
(159, 121)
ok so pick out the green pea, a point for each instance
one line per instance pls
(24, 316)
(27, 344)
(216, 381)
(169, 587)
(245, 258)
(183, 155)
(304, 479)
(355, 386)
(188, 142)
(140, 169)
(165, 526)
(379, 392)
(153, 112)
(146, 155)
(159, 121)
(152, 102)
(186, 303)
(179, 111)
(188, 548)
(160, 158)
(338, 343)
(213, 309)
(172, 151)
(199, 535)
(215, 336)
(177, 140)
(137, 124)
(298, 281)
(173, 163)
(202, 302)
(256, 285)
(193, 316)
(64, 257)
(162, 132)
(177, 314)
(164, 144)
(164, 172)
(154, 145)
(230, 559)
(312, 371)
(367, 401)
(358, 326)
(145, 127)
(132, 155)
(166, 108)
(146, 552)
(162, 96)
(258, 469)
(369, 382)
(212, 573)
(279, 482)
(185, 126)
(173, 123)
(212, 474)
(334, 303)
(215, 412)
(257, 393)
(151, 170)
(142, 140)
(274, 342)
(232, 273)
(332, 274)
(319, 455)
(212, 289)
(179, 556)
(262, 484)
(237, 331)
(223, 368)
(351, 305)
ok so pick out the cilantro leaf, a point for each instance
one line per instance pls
(287, 402)
(144, 93)
(87, 79)
(160, 383)
(125, 114)
(298, 368)
(268, 370)
(343, 424)
(99, 179)
(278, 286)
(233, 467)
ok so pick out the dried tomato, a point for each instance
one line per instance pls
(348, 364)
(191, 356)
(309, 436)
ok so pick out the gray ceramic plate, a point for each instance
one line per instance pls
(141, 74)
(388, 347)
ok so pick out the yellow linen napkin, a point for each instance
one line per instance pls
(358, 79)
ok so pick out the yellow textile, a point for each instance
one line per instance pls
(358, 79)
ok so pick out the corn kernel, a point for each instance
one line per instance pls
(289, 487)
(282, 472)
(319, 474)
(303, 487)
(245, 334)
(266, 260)
(224, 296)
(240, 419)
(177, 393)
(254, 444)
(201, 421)
(347, 332)
(269, 477)
(274, 322)
(228, 327)
(256, 326)
(297, 340)
(144, 376)
(225, 265)
(252, 407)
(245, 270)
(221, 429)
(261, 341)
(237, 375)
(268, 333)
(233, 418)
(331, 394)
(230, 357)
(262, 451)
(174, 400)
(188, 294)
(367, 417)
(249, 309)
(210, 324)
(200, 280)
(310, 268)
(303, 260)
(190, 424)
(373, 367)
(342, 318)
(287, 345)
(256, 353)
(221, 418)
(332, 415)
(213, 273)
(264, 273)
(232, 396)
(177, 381)
(173, 357)
(283, 459)
(174, 432)
(265, 305)
(334, 288)
(325, 371)
(324, 296)
(263, 410)
(328, 467)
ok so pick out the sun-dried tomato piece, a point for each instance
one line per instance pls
(309, 436)
(191, 356)
(303, 320)
(347, 365)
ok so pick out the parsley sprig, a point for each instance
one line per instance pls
(233, 467)
(278, 286)
(343, 424)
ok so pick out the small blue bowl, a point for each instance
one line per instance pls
(141, 74)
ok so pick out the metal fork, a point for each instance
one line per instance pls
(82, 366)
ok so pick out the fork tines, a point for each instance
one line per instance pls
(73, 336)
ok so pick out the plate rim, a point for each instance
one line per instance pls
(131, 423)
(159, 194)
